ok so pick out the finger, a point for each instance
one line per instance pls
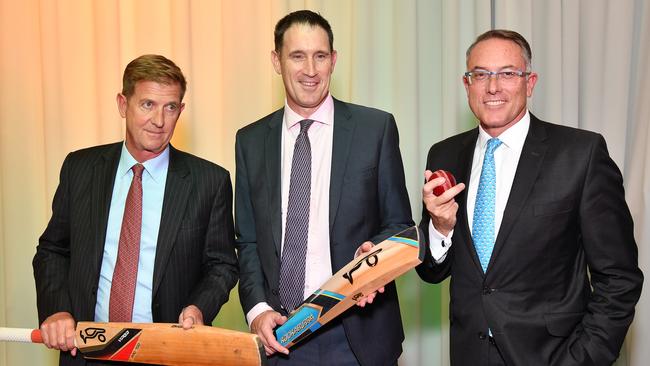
(273, 343)
(371, 298)
(53, 337)
(188, 322)
(453, 191)
(73, 352)
(61, 341)
(270, 337)
(69, 335)
(427, 174)
(46, 336)
(381, 289)
(269, 351)
(433, 183)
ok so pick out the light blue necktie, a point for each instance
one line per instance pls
(483, 224)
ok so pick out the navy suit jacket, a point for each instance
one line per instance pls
(195, 260)
(563, 279)
(368, 201)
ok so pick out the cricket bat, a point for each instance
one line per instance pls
(157, 343)
(362, 276)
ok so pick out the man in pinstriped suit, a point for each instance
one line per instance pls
(187, 263)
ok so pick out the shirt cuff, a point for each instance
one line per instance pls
(438, 243)
(258, 309)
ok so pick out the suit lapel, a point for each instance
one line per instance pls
(272, 153)
(342, 139)
(465, 171)
(177, 191)
(528, 169)
(102, 191)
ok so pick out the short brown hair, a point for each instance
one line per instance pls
(301, 17)
(152, 68)
(507, 35)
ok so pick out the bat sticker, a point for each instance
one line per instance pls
(92, 333)
(371, 260)
(386, 261)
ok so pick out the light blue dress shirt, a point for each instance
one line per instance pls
(154, 178)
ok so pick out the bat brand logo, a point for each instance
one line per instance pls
(91, 333)
(297, 329)
(124, 335)
(371, 260)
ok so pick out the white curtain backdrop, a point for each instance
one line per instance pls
(61, 63)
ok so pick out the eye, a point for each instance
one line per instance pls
(508, 74)
(172, 107)
(480, 75)
(147, 104)
(297, 56)
(322, 56)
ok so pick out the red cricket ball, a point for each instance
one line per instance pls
(450, 181)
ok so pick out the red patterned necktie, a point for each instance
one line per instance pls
(126, 266)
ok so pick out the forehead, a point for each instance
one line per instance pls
(305, 37)
(496, 53)
(146, 89)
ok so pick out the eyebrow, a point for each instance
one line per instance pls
(500, 68)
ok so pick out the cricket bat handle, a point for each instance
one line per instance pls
(23, 335)
(20, 335)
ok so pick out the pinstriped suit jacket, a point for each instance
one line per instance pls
(195, 259)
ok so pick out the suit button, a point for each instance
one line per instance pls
(481, 336)
(275, 292)
(487, 290)
(156, 305)
(94, 290)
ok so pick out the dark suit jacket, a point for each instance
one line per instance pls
(368, 201)
(195, 259)
(565, 220)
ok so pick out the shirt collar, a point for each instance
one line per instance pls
(514, 137)
(156, 168)
(324, 114)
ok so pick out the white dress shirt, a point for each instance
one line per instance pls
(318, 265)
(506, 159)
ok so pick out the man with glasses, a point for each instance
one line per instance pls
(540, 246)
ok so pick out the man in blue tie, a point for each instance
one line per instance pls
(537, 237)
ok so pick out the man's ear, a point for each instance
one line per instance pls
(121, 104)
(275, 60)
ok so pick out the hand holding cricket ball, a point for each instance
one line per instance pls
(438, 194)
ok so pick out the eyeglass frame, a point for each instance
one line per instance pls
(496, 74)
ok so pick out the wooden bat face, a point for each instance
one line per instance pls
(168, 344)
(157, 343)
(363, 275)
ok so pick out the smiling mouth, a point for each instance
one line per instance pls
(154, 132)
(309, 84)
(495, 102)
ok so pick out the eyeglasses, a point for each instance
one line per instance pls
(504, 75)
